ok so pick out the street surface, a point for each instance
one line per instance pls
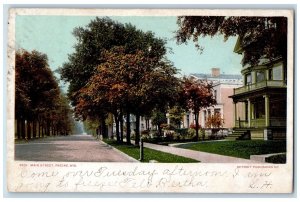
(73, 148)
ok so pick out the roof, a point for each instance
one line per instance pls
(221, 76)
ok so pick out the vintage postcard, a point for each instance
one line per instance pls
(150, 100)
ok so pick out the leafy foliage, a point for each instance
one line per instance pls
(215, 121)
(259, 37)
(159, 118)
(117, 68)
(100, 35)
(38, 97)
(175, 115)
(197, 94)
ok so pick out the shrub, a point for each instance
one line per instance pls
(168, 126)
(214, 121)
(145, 134)
(191, 133)
(277, 159)
(169, 136)
(181, 131)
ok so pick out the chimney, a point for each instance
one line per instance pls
(215, 72)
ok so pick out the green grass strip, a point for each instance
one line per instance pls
(241, 149)
(149, 154)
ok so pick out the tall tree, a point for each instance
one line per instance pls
(132, 82)
(96, 59)
(37, 95)
(259, 37)
(99, 35)
(197, 94)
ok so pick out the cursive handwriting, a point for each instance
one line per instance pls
(137, 178)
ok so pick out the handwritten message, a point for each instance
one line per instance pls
(49, 177)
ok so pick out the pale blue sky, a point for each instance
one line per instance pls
(53, 35)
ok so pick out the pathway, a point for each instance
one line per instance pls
(204, 157)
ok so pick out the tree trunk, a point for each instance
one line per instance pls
(137, 129)
(19, 129)
(43, 129)
(159, 130)
(147, 124)
(28, 125)
(197, 125)
(34, 128)
(48, 128)
(52, 128)
(103, 128)
(121, 126)
(117, 127)
(128, 128)
(39, 128)
(23, 132)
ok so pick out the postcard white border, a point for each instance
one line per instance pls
(19, 178)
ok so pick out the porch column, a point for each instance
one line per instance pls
(235, 115)
(249, 113)
(267, 110)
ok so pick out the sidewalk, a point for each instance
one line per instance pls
(204, 157)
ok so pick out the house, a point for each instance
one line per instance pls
(264, 97)
(223, 86)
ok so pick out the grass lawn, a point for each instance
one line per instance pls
(149, 154)
(241, 149)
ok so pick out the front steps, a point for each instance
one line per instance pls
(239, 134)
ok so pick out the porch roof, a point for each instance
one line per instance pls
(258, 92)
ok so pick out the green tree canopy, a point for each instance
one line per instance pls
(259, 37)
(99, 35)
(118, 68)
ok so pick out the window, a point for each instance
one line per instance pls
(270, 74)
(260, 76)
(259, 109)
(215, 95)
(248, 79)
(188, 120)
(277, 73)
(217, 111)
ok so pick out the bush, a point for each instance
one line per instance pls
(153, 133)
(168, 127)
(169, 136)
(277, 159)
(145, 134)
(191, 133)
(182, 131)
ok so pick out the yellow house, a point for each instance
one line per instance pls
(264, 97)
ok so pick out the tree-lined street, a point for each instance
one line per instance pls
(119, 75)
(74, 148)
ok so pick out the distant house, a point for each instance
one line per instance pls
(223, 86)
(264, 97)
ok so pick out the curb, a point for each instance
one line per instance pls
(122, 153)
